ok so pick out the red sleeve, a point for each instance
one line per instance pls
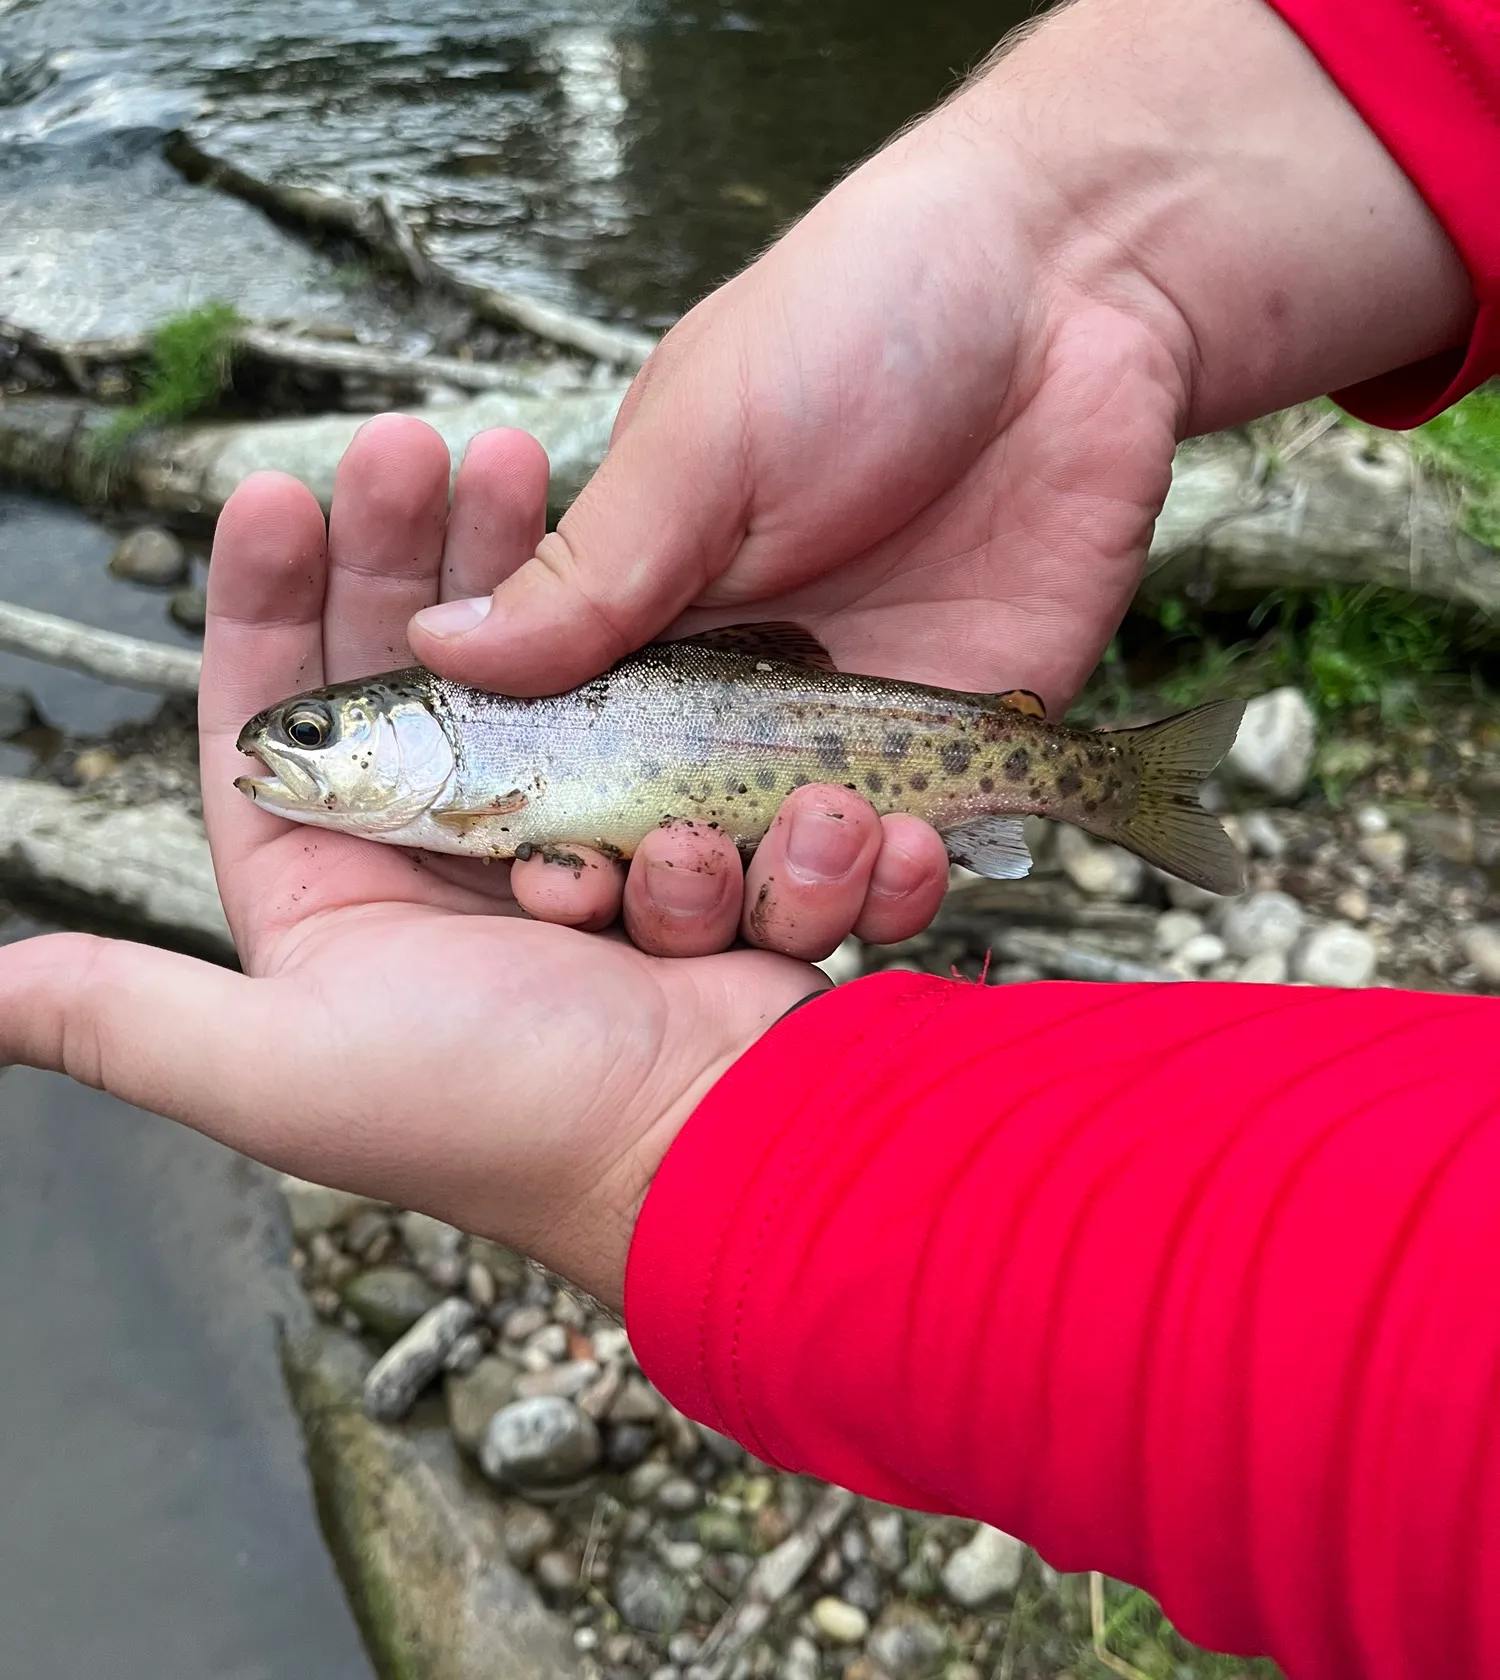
(1199, 1286)
(1425, 76)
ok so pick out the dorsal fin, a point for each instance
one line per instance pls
(1024, 701)
(785, 644)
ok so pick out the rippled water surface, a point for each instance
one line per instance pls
(624, 156)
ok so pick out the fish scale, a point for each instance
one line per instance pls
(720, 731)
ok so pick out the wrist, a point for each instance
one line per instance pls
(1193, 165)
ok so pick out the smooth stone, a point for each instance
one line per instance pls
(1262, 835)
(1175, 928)
(1100, 870)
(529, 1531)
(1270, 968)
(189, 608)
(1386, 852)
(556, 1571)
(611, 1344)
(986, 1566)
(1370, 820)
(1263, 921)
(803, 1660)
(436, 1247)
(545, 1347)
(314, 1207)
(649, 1598)
(524, 1323)
(473, 1399)
(503, 1264)
(1337, 955)
(404, 1370)
(628, 1444)
(637, 1402)
(682, 1557)
(389, 1299)
(538, 1443)
(1353, 904)
(1275, 746)
(568, 1379)
(465, 1353)
(906, 1644)
(150, 555)
(887, 1531)
(93, 764)
(1203, 950)
(1481, 947)
(677, 1496)
(838, 1622)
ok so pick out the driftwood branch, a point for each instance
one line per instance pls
(145, 868)
(98, 653)
(383, 230)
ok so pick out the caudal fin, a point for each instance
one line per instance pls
(1169, 827)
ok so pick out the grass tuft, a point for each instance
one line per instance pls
(192, 359)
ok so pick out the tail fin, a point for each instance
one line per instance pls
(1169, 827)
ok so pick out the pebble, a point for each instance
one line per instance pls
(1263, 921)
(1370, 820)
(1336, 955)
(1101, 870)
(1275, 746)
(1481, 946)
(503, 1264)
(1385, 852)
(887, 1531)
(1175, 928)
(802, 1660)
(465, 1353)
(1353, 904)
(642, 1482)
(1443, 835)
(544, 1347)
(544, 1442)
(906, 1644)
(1203, 950)
(556, 1571)
(677, 1496)
(602, 1392)
(479, 1285)
(568, 1379)
(1270, 968)
(683, 1647)
(627, 1444)
(611, 1344)
(189, 608)
(16, 712)
(1262, 835)
(524, 1323)
(314, 1207)
(93, 764)
(637, 1403)
(528, 1532)
(396, 1379)
(474, 1397)
(149, 555)
(436, 1248)
(682, 1557)
(389, 1299)
(983, 1568)
(649, 1598)
(838, 1622)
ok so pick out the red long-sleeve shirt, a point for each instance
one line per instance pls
(1197, 1286)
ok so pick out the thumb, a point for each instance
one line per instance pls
(661, 519)
(161, 1031)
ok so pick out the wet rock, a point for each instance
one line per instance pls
(1263, 921)
(648, 1597)
(314, 1207)
(16, 712)
(389, 1299)
(986, 1566)
(150, 555)
(538, 1444)
(1481, 947)
(906, 1644)
(1275, 746)
(474, 1399)
(1100, 870)
(839, 1623)
(465, 1353)
(1337, 955)
(189, 608)
(1443, 835)
(404, 1370)
(1270, 968)
(1175, 929)
(529, 1531)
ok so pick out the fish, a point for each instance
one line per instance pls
(718, 729)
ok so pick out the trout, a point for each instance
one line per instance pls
(718, 729)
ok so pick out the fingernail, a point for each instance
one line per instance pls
(681, 891)
(820, 846)
(454, 618)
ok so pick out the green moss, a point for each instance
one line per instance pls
(1464, 445)
(191, 364)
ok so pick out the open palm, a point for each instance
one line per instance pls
(400, 1028)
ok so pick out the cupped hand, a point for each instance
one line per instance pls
(401, 1027)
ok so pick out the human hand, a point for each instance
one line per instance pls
(401, 1029)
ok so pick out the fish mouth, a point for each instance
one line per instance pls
(272, 788)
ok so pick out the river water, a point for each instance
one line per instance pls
(622, 157)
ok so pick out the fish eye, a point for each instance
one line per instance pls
(309, 725)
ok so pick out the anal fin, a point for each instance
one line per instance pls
(991, 846)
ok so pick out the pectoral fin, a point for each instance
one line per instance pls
(466, 820)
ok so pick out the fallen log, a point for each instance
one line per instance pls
(98, 653)
(144, 869)
(382, 229)
(54, 443)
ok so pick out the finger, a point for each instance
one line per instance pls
(807, 883)
(579, 888)
(263, 641)
(499, 513)
(662, 518)
(907, 883)
(684, 892)
(385, 543)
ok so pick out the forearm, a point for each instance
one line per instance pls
(1191, 162)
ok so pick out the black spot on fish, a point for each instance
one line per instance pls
(1098, 757)
(919, 782)
(1017, 765)
(875, 781)
(1090, 806)
(1069, 783)
(895, 790)
(956, 757)
(986, 784)
(796, 782)
(765, 780)
(896, 745)
(833, 754)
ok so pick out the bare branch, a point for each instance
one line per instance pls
(98, 653)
